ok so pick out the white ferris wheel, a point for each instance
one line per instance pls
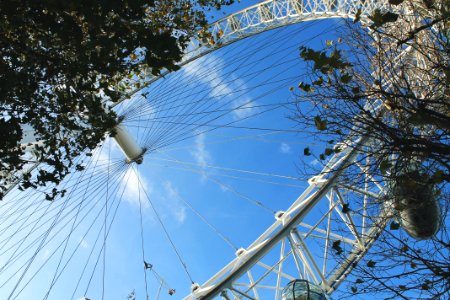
(198, 195)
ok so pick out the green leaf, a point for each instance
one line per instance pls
(319, 81)
(357, 16)
(306, 152)
(400, 206)
(354, 289)
(355, 90)
(385, 165)
(346, 208)
(320, 124)
(394, 226)
(438, 176)
(305, 87)
(359, 280)
(337, 247)
(425, 287)
(322, 156)
(379, 19)
(346, 78)
(402, 287)
(328, 151)
(395, 2)
(371, 264)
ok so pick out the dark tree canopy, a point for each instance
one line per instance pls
(391, 85)
(61, 61)
(389, 81)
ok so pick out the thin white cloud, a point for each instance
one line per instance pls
(200, 154)
(223, 87)
(177, 210)
(84, 244)
(133, 185)
(315, 162)
(285, 148)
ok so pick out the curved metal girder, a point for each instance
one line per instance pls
(307, 234)
(264, 16)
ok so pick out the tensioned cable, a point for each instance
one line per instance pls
(165, 231)
(48, 241)
(228, 138)
(170, 87)
(272, 38)
(56, 249)
(79, 206)
(202, 218)
(235, 177)
(228, 169)
(49, 217)
(245, 197)
(20, 242)
(102, 248)
(104, 229)
(28, 265)
(142, 239)
(177, 137)
(98, 235)
(38, 202)
(216, 126)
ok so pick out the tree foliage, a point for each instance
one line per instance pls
(61, 62)
(389, 80)
(391, 84)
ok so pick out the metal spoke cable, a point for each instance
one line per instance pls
(42, 220)
(59, 246)
(224, 139)
(119, 200)
(295, 50)
(204, 220)
(141, 223)
(173, 87)
(240, 195)
(48, 241)
(79, 206)
(272, 39)
(173, 93)
(199, 170)
(228, 169)
(165, 230)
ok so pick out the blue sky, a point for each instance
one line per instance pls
(221, 173)
(227, 176)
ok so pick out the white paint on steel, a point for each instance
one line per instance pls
(256, 19)
(127, 144)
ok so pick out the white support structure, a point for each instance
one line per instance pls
(315, 227)
(317, 238)
(128, 145)
(264, 16)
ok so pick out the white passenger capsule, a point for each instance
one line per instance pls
(416, 203)
(300, 289)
